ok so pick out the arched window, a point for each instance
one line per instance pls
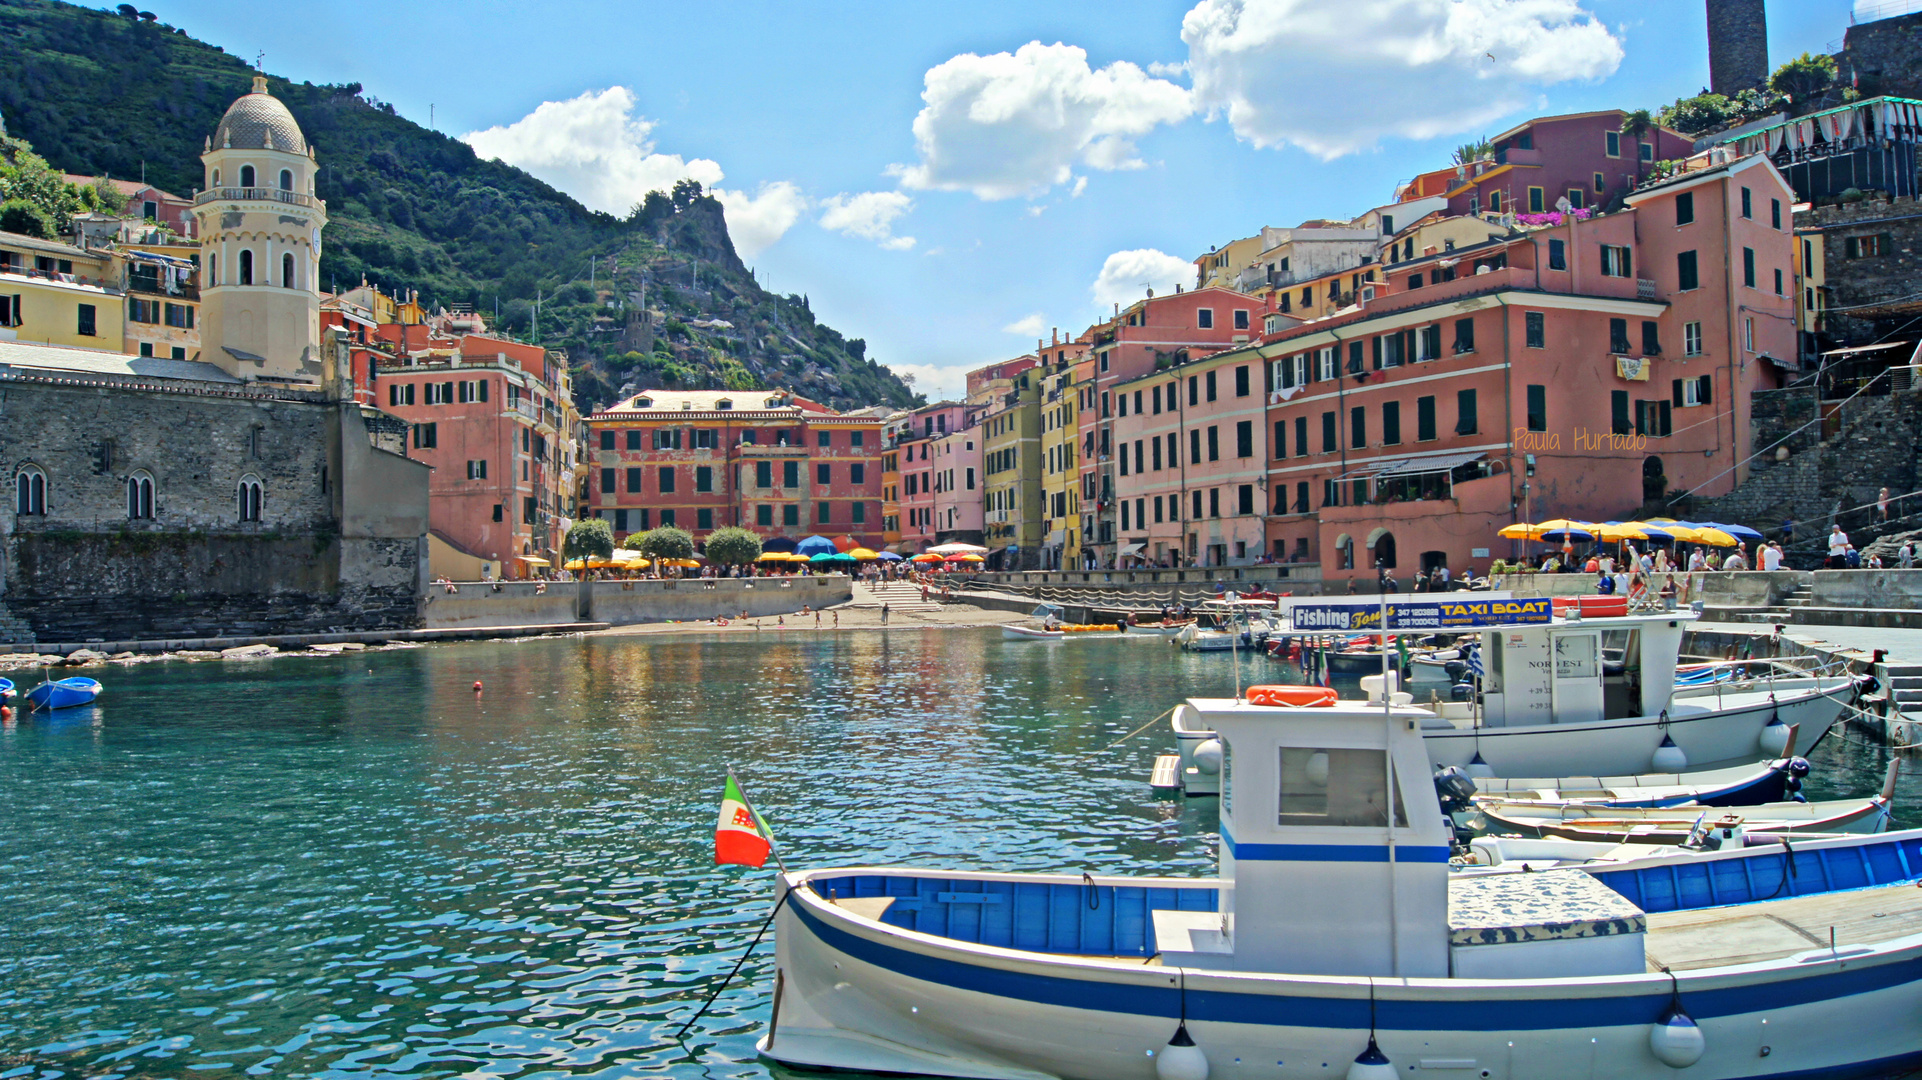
(1382, 543)
(30, 491)
(286, 179)
(215, 182)
(140, 497)
(287, 270)
(246, 176)
(247, 498)
(246, 266)
(213, 269)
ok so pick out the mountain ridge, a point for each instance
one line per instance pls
(101, 93)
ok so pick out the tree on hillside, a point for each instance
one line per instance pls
(1635, 125)
(590, 538)
(666, 542)
(1803, 77)
(733, 546)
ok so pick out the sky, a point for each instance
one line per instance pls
(950, 181)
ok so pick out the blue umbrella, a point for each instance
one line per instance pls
(778, 543)
(1740, 532)
(1569, 534)
(815, 545)
(888, 556)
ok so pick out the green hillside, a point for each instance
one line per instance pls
(104, 93)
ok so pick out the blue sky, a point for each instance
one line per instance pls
(932, 175)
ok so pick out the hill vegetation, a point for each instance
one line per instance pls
(656, 298)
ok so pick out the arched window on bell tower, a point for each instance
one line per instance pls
(286, 179)
(246, 266)
(246, 176)
(287, 270)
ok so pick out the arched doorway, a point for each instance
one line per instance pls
(1654, 481)
(1381, 543)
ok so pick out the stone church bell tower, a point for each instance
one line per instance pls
(260, 229)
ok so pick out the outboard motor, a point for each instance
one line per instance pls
(1457, 671)
(1456, 790)
(1462, 691)
(1798, 771)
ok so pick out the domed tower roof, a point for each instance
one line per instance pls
(258, 121)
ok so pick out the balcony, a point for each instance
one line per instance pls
(254, 194)
(153, 285)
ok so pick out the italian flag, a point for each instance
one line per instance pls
(739, 836)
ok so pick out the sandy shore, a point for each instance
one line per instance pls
(844, 617)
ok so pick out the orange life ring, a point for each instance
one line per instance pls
(1296, 696)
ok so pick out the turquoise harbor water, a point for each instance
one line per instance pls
(355, 866)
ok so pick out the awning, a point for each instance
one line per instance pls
(533, 560)
(1415, 466)
(1130, 549)
(149, 256)
(1785, 365)
(1855, 349)
(1372, 468)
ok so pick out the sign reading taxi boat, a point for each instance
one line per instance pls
(1478, 613)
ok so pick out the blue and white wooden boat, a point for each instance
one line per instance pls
(6, 691)
(1336, 942)
(64, 693)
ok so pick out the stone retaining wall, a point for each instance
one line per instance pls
(624, 603)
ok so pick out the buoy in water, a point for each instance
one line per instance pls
(1669, 757)
(477, 686)
(1372, 1064)
(1181, 1059)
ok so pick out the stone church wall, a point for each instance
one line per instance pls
(86, 570)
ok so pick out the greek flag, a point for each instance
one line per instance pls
(1473, 654)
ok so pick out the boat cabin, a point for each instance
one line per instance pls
(1577, 670)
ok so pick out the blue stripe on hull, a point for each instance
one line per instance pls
(1466, 1014)
(1331, 852)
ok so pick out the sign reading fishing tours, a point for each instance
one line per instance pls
(1476, 614)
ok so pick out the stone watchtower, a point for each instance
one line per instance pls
(1738, 46)
(260, 244)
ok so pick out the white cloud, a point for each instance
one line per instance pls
(1162, 70)
(1016, 124)
(1080, 185)
(1028, 326)
(1127, 276)
(596, 149)
(758, 220)
(1410, 68)
(869, 215)
(938, 382)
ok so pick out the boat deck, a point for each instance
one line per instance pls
(1772, 929)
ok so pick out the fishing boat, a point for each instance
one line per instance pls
(1012, 632)
(64, 693)
(1336, 941)
(6, 691)
(1744, 785)
(1567, 695)
(1228, 625)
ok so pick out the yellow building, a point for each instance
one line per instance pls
(161, 280)
(1060, 423)
(58, 294)
(1811, 291)
(1011, 475)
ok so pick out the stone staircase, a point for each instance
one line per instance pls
(14, 630)
(897, 595)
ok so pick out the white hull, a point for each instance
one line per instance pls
(1022, 633)
(860, 995)
(1711, 738)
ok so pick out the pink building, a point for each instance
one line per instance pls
(1192, 462)
(1153, 333)
(1583, 157)
(958, 515)
(924, 475)
(1581, 370)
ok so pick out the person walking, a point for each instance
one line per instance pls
(1882, 506)
(1838, 547)
(884, 614)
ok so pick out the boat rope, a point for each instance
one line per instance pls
(745, 953)
(1094, 891)
(1140, 729)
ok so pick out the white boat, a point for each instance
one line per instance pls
(1597, 696)
(1012, 632)
(1742, 785)
(1336, 942)
(1228, 625)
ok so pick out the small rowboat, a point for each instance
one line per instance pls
(6, 690)
(64, 693)
(1029, 633)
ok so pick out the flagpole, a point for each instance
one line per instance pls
(773, 848)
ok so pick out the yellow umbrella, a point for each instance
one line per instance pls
(1618, 533)
(863, 554)
(1714, 538)
(966, 558)
(772, 556)
(1519, 531)
(575, 564)
(685, 564)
